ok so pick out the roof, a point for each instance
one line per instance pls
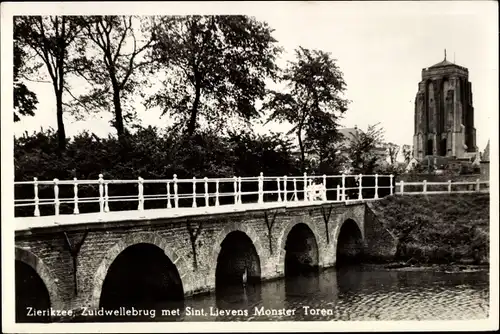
(486, 152)
(443, 64)
(349, 133)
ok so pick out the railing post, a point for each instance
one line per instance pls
(279, 189)
(478, 185)
(285, 193)
(360, 187)
(75, 198)
(239, 190)
(169, 205)
(425, 187)
(324, 187)
(37, 200)
(343, 187)
(391, 181)
(338, 192)
(140, 185)
(310, 192)
(106, 196)
(235, 187)
(217, 192)
(402, 187)
(206, 191)
(305, 187)
(376, 186)
(56, 197)
(101, 193)
(194, 192)
(295, 189)
(261, 188)
(449, 186)
(176, 192)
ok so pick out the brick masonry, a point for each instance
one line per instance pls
(193, 244)
(380, 243)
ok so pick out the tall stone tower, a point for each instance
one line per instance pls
(444, 115)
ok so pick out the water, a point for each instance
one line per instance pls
(355, 293)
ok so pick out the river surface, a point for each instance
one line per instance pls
(354, 293)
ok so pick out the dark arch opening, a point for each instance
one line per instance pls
(349, 244)
(301, 251)
(443, 147)
(142, 276)
(31, 293)
(430, 147)
(237, 254)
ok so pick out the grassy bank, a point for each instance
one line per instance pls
(439, 228)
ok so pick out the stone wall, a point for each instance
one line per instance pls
(380, 243)
(192, 244)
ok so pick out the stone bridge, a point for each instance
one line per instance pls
(91, 260)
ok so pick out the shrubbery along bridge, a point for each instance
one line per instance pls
(104, 243)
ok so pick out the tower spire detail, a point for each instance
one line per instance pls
(444, 54)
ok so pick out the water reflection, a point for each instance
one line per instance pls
(353, 293)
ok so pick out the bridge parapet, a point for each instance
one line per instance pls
(72, 197)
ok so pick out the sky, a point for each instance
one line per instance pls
(380, 47)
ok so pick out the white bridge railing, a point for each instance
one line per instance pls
(41, 198)
(430, 188)
(205, 192)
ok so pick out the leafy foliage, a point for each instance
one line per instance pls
(363, 150)
(111, 71)
(445, 229)
(25, 101)
(212, 68)
(271, 154)
(312, 102)
(392, 152)
(50, 38)
(151, 155)
(407, 153)
(215, 67)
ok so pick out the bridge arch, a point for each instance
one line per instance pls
(33, 263)
(283, 237)
(245, 234)
(343, 218)
(130, 240)
(348, 239)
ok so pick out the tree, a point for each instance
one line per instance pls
(270, 154)
(112, 70)
(407, 153)
(362, 151)
(312, 101)
(50, 38)
(25, 101)
(214, 66)
(392, 152)
(323, 142)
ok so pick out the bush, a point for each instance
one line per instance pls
(149, 154)
(438, 229)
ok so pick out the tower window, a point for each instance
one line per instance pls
(442, 150)
(430, 147)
